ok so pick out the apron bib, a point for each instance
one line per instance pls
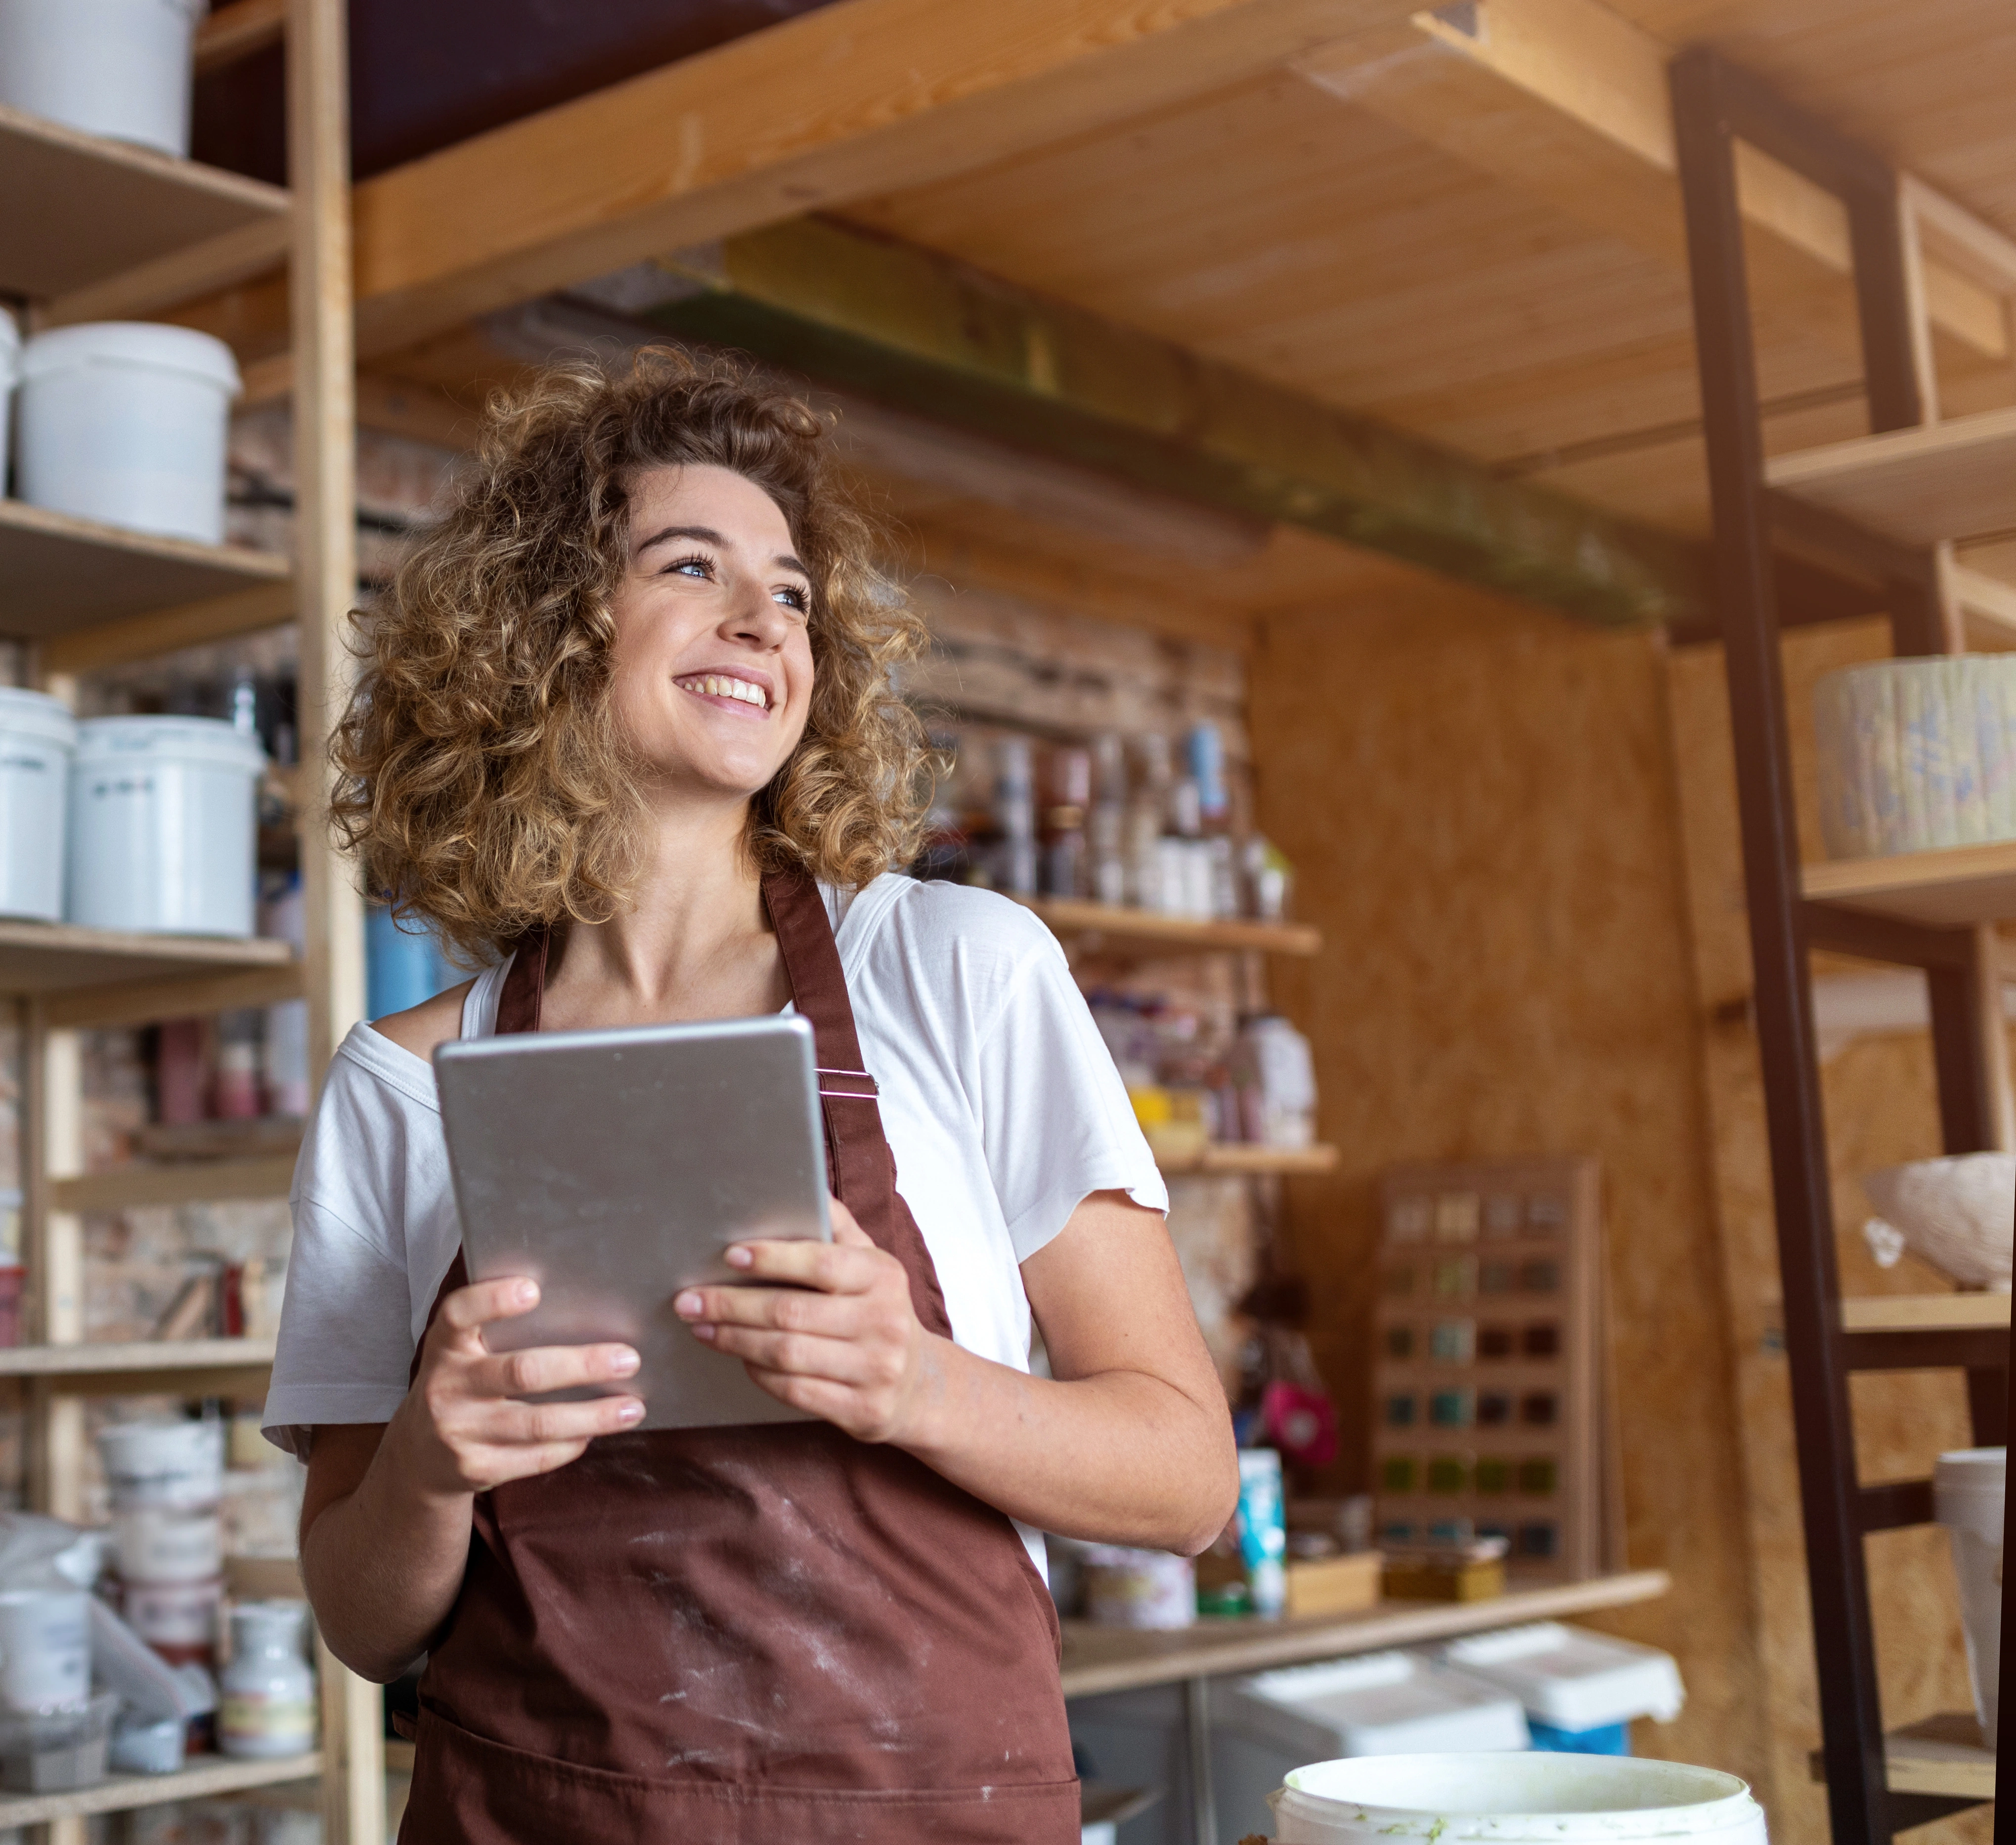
(769, 1635)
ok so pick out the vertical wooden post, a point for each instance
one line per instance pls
(325, 491)
(353, 1785)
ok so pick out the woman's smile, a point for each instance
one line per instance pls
(746, 693)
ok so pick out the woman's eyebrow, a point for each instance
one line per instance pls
(707, 535)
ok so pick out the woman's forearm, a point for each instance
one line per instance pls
(385, 1562)
(1121, 1456)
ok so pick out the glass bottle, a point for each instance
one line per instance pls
(267, 1705)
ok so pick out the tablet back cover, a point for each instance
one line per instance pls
(615, 1168)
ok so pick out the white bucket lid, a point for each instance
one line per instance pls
(36, 714)
(100, 740)
(141, 343)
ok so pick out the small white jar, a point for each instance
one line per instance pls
(268, 1703)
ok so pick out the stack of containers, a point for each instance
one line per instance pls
(167, 1480)
(1580, 1691)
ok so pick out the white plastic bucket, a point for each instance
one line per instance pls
(171, 1465)
(125, 421)
(163, 826)
(163, 1544)
(37, 737)
(1564, 1799)
(118, 68)
(1967, 1491)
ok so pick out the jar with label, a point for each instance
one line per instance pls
(267, 1705)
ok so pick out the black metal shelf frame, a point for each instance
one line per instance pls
(1715, 105)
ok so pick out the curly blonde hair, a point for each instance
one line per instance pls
(480, 776)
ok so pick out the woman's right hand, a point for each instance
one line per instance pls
(464, 1430)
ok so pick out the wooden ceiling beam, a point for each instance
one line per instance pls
(919, 332)
(857, 98)
(1567, 100)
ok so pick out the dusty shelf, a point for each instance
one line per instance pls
(1951, 887)
(59, 573)
(57, 957)
(1954, 480)
(1099, 1660)
(80, 209)
(1233, 1158)
(1925, 1313)
(117, 1793)
(1147, 931)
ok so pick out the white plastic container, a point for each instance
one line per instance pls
(10, 375)
(44, 1649)
(1562, 1800)
(1571, 1679)
(177, 1620)
(163, 1544)
(1967, 1492)
(268, 1705)
(125, 421)
(175, 1466)
(163, 826)
(1380, 1704)
(118, 68)
(37, 739)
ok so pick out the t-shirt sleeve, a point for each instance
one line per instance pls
(1055, 1115)
(344, 1347)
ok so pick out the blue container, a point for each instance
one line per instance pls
(1609, 1738)
(403, 965)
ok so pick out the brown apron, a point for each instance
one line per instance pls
(749, 1636)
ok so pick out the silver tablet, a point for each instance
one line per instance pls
(615, 1168)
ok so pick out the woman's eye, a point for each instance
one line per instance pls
(691, 567)
(791, 597)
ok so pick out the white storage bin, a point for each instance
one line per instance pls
(38, 736)
(125, 421)
(1571, 1679)
(163, 826)
(118, 68)
(1967, 1491)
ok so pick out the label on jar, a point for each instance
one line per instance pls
(260, 1717)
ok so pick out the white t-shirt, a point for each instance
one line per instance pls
(1000, 1103)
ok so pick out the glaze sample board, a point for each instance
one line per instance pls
(1488, 1417)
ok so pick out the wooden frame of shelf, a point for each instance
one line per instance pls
(1920, 486)
(64, 958)
(119, 1793)
(1948, 887)
(1925, 1313)
(1942, 1756)
(1230, 1158)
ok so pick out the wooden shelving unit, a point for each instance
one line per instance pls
(100, 230)
(1890, 504)
(1230, 1158)
(1146, 932)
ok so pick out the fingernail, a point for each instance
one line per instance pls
(739, 1258)
(687, 1306)
(622, 1364)
(706, 1333)
(631, 1411)
(528, 1292)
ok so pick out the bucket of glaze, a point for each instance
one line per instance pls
(1967, 1498)
(171, 1466)
(164, 833)
(125, 421)
(1511, 1798)
(37, 737)
(118, 68)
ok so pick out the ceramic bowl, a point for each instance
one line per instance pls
(1958, 1214)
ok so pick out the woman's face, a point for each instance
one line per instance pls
(713, 662)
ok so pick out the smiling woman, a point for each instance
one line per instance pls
(625, 730)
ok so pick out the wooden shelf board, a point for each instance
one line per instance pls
(208, 1777)
(80, 209)
(57, 957)
(1943, 1755)
(1238, 1159)
(1924, 1313)
(1098, 1660)
(143, 1368)
(1147, 931)
(1950, 887)
(1954, 480)
(185, 1182)
(60, 573)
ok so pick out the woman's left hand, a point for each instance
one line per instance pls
(842, 1340)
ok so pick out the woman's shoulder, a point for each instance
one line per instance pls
(421, 1030)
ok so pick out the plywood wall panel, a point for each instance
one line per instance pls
(1479, 801)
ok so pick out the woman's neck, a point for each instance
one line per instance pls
(694, 942)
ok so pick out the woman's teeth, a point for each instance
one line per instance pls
(720, 685)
